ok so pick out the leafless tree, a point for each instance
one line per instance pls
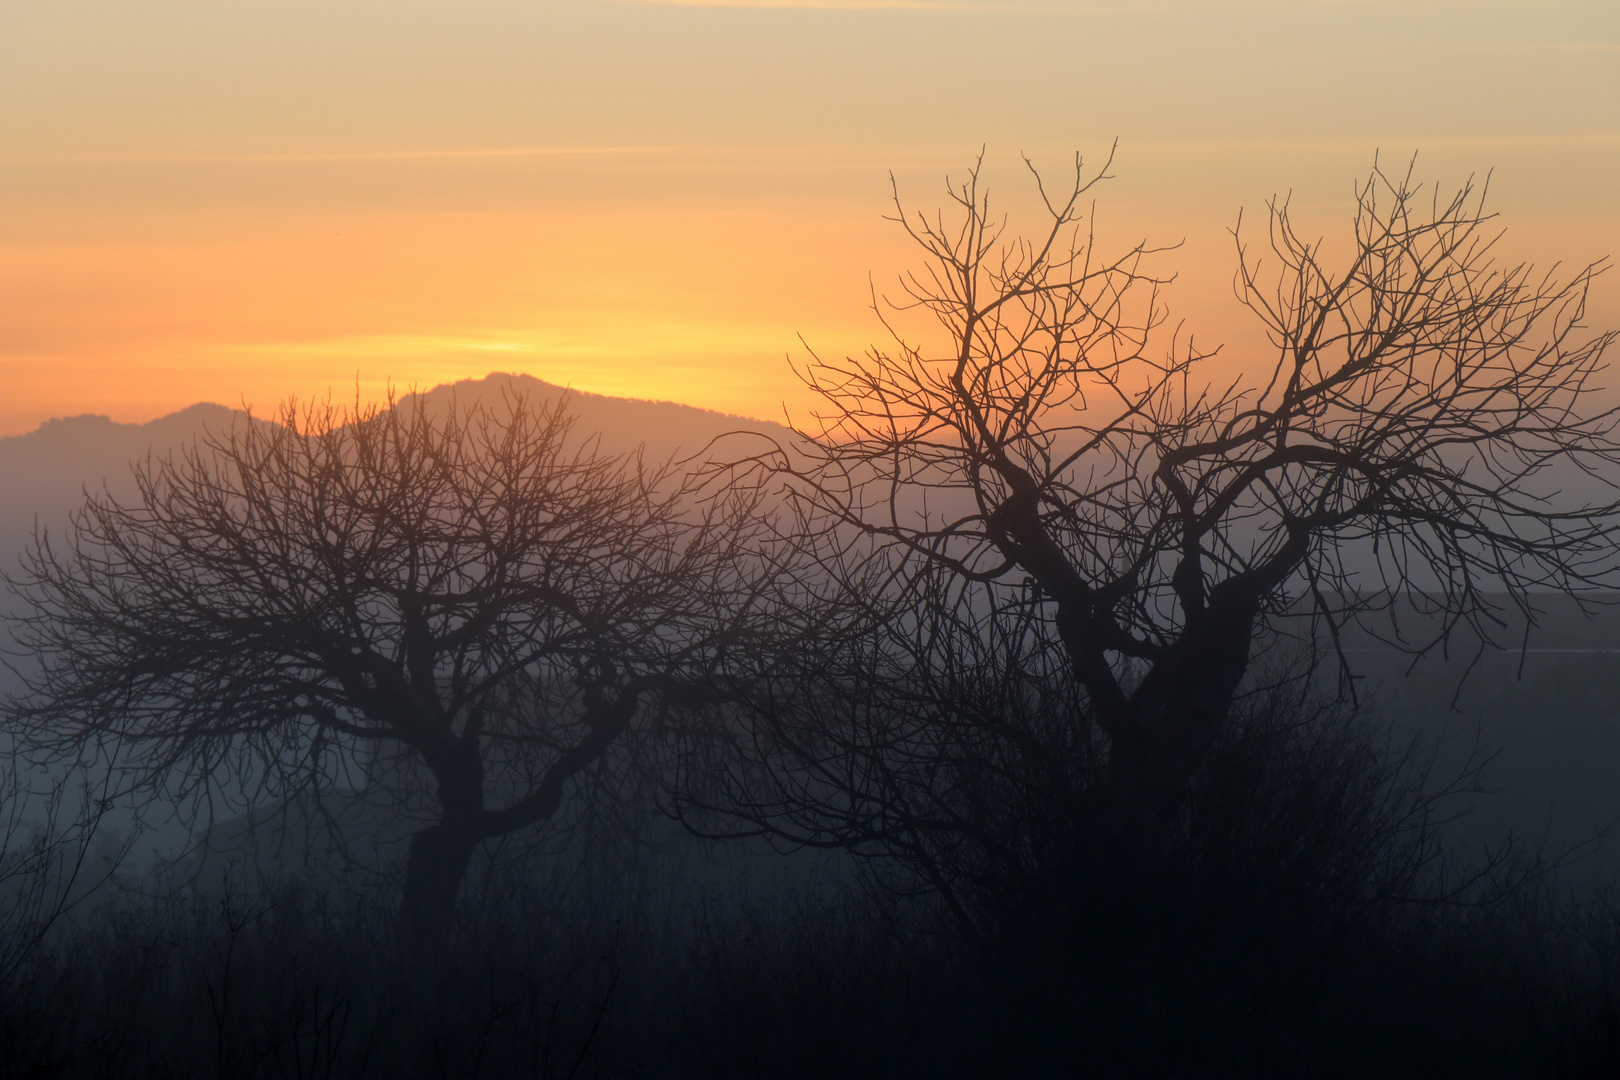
(1050, 454)
(342, 602)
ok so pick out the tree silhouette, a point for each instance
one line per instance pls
(340, 602)
(1046, 456)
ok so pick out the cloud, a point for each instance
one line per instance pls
(830, 5)
(1554, 140)
(1081, 8)
(1523, 46)
(301, 157)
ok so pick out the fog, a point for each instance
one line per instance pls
(1410, 878)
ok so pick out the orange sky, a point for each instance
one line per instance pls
(241, 201)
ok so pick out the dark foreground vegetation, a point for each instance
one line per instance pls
(1301, 921)
(1038, 647)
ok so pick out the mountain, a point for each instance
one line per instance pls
(663, 428)
(44, 474)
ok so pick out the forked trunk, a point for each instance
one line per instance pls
(1178, 712)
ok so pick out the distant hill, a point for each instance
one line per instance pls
(44, 474)
(664, 428)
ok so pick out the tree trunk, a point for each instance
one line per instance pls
(439, 857)
(1179, 710)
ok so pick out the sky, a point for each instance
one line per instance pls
(243, 201)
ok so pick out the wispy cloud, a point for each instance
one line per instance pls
(1075, 8)
(338, 156)
(830, 5)
(1609, 47)
(815, 156)
(999, 7)
(1550, 141)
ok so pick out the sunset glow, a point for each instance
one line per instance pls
(244, 202)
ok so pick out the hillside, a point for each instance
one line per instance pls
(43, 474)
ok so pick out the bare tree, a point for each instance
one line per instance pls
(1402, 446)
(340, 603)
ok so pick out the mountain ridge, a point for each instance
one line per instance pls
(45, 473)
(81, 421)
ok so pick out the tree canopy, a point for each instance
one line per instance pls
(465, 604)
(1051, 476)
